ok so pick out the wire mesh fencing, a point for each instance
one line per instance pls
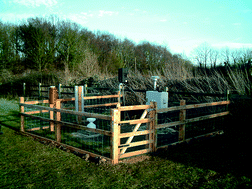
(199, 119)
(67, 121)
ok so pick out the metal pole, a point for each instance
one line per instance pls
(120, 92)
(24, 89)
(59, 90)
(39, 87)
(76, 98)
(82, 98)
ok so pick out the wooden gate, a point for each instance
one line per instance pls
(119, 149)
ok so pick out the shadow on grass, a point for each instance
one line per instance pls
(218, 153)
(12, 120)
(227, 153)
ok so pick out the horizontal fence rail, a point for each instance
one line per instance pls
(187, 107)
(86, 114)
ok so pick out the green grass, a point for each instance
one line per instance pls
(25, 163)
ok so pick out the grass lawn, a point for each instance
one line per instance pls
(25, 163)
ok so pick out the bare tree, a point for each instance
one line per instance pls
(202, 54)
(213, 57)
(226, 54)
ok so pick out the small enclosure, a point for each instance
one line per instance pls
(99, 126)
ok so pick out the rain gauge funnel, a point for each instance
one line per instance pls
(155, 78)
(91, 123)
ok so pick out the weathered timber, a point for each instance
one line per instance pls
(99, 97)
(171, 124)
(98, 116)
(138, 133)
(136, 121)
(37, 112)
(51, 117)
(134, 130)
(21, 100)
(101, 105)
(73, 125)
(182, 118)
(137, 107)
(67, 99)
(152, 127)
(115, 135)
(58, 125)
(201, 118)
(129, 154)
(38, 128)
(37, 102)
(132, 144)
(174, 108)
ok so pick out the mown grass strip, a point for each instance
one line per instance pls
(25, 163)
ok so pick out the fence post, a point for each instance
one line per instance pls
(53, 96)
(52, 117)
(80, 102)
(115, 136)
(182, 117)
(153, 124)
(52, 105)
(21, 100)
(58, 118)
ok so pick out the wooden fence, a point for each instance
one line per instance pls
(119, 150)
(42, 91)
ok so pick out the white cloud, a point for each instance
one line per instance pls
(233, 45)
(15, 18)
(36, 3)
(109, 13)
(163, 20)
(78, 18)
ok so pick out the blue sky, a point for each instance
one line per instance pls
(180, 25)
